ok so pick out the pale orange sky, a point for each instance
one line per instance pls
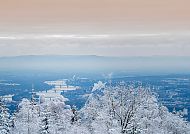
(98, 27)
(95, 13)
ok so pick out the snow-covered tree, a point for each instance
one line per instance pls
(55, 116)
(45, 123)
(130, 110)
(108, 110)
(27, 118)
(4, 119)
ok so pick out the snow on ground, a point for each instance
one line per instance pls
(60, 85)
(8, 97)
(9, 84)
(57, 82)
(50, 94)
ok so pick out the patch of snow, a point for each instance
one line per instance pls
(8, 97)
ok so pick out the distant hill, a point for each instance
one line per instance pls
(93, 63)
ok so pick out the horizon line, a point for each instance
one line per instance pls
(136, 56)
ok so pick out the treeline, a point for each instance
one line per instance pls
(108, 110)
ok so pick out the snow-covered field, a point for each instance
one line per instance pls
(61, 85)
(8, 97)
(50, 94)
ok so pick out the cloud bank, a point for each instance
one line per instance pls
(133, 44)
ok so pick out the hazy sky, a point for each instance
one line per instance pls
(98, 27)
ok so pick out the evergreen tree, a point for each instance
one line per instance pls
(4, 119)
(44, 123)
(27, 118)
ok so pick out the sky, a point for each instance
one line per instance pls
(95, 27)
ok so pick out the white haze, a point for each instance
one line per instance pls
(130, 44)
